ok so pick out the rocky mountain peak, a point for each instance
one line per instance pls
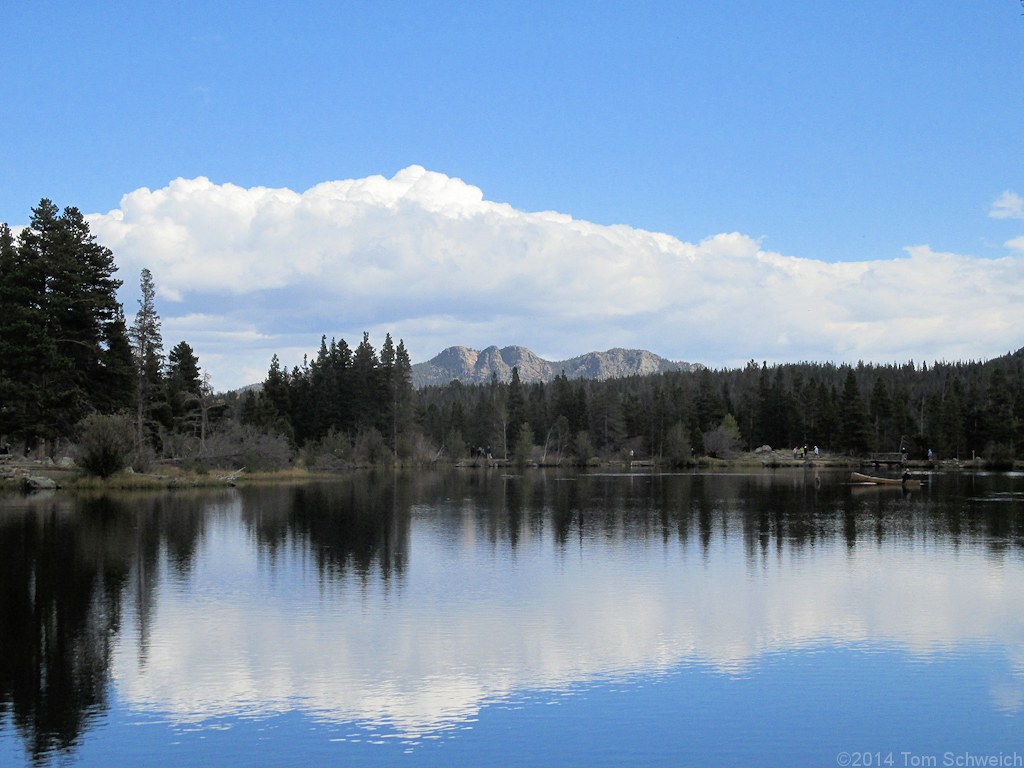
(470, 366)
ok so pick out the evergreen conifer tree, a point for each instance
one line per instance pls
(61, 327)
(516, 402)
(403, 391)
(386, 392)
(365, 389)
(24, 346)
(853, 423)
(184, 384)
(999, 409)
(147, 346)
(117, 388)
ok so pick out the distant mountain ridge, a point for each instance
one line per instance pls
(471, 366)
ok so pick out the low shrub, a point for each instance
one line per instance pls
(106, 442)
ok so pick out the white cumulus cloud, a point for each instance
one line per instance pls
(243, 273)
(1008, 205)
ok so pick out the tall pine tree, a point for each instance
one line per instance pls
(62, 329)
(147, 347)
(853, 434)
(24, 346)
(184, 386)
(402, 403)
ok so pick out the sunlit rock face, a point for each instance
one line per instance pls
(472, 366)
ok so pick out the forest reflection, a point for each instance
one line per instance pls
(72, 570)
(69, 569)
(360, 525)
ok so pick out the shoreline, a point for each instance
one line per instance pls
(21, 476)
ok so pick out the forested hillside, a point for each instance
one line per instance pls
(958, 410)
(73, 372)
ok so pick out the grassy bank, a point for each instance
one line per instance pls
(163, 477)
(160, 478)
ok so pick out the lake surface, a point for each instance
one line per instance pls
(483, 618)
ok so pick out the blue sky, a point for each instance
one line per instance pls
(821, 131)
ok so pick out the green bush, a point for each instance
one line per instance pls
(582, 448)
(332, 452)
(524, 444)
(370, 448)
(677, 446)
(723, 439)
(105, 443)
(415, 449)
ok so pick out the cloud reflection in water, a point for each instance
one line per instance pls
(471, 619)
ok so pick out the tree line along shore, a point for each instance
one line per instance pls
(79, 381)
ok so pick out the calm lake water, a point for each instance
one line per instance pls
(483, 618)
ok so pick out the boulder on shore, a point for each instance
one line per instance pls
(39, 483)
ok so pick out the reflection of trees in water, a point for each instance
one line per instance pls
(60, 591)
(66, 569)
(62, 575)
(358, 524)
(69, 569)
(769, 511)
(167, 529)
